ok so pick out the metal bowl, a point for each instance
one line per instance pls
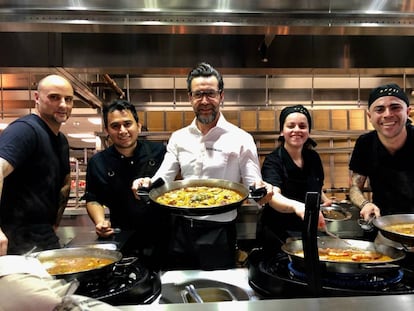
(335, 213)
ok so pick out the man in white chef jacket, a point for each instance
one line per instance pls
(210, 147)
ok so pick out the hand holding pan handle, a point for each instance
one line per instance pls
(143, 192)
(257, 193)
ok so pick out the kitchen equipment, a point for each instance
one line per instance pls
(383, 223)
(335, 213)
(333, 235)
(292, 248)
(192, 292)
(276, 275)
(154, 193)
(131, 283)
(65, 255)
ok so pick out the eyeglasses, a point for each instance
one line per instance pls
(211, 94)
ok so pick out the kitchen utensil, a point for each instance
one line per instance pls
(383, 223)
(293, 247)
(193, 293)
(366, 225)
(154, 193)
(325, 229)
(82, 274)
(335, 213)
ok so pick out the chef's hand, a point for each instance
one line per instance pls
(144, 182)
(3, 243)
(369, 210)
(269, 191)
(104, 229)
(299, 210)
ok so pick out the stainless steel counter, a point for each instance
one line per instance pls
(371, 303)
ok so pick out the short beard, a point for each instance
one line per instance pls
(206, 120)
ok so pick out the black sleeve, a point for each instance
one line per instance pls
(273, 169)
(356, 164)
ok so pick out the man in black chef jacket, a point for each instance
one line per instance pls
(384, 156)
(108, 183)
(35, 171)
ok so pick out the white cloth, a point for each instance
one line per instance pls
(25, 285)
(225, 152)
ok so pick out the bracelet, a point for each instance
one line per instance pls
(361, 206)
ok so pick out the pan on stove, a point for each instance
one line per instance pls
(291, 248)
(383, 223)
(64, 256)
(154, 193)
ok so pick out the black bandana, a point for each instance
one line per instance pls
(297, 108)
(387, 90)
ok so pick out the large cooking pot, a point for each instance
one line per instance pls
(291, 248)
(383, 223)
(64, 255)
(154, 193)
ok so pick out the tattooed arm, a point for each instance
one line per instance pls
(358, 199)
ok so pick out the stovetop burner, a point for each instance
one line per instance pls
(353, 280)
(129, 283)
(271, 277)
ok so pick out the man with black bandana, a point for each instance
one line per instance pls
(384, 156)
(294, 169)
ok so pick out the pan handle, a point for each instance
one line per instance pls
(379, 266)
(144, 191)
(257, 193)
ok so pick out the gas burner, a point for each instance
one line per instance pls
(353, 280)
(270, 276)
(129, 283)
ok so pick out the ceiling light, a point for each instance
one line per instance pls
(95, 121)
(81, 135)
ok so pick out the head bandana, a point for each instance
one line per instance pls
(387, 90)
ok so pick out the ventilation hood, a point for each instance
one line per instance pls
(314, 51)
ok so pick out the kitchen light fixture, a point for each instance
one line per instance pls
(95, 121)
(81, 135)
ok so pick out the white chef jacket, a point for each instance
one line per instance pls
(225, 152)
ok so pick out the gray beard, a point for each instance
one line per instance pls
(206, 120)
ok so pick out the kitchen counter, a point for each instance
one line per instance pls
(371, 303)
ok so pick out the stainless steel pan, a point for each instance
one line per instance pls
(81, 274)
(384, 221)
(293, 247)
(154, 193)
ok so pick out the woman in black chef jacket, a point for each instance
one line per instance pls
(294, 169)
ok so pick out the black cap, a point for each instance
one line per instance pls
(387, 90)
(297, 108)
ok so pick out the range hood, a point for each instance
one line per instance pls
(282, 17)
(324, 52)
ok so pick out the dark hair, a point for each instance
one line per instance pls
(118, 104)
(204, 70)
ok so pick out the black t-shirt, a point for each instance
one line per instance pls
(279, 170)
(109, 179)
(30, 198)
(391, 177)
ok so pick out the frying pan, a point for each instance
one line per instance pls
(292, 247)
(154, 193)
(82, 274)
(384, 221)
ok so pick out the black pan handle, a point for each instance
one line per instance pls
(145, 190)
(257, 193)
